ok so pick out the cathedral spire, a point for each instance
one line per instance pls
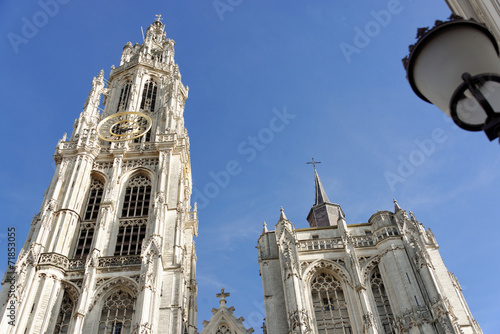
(323, 212)
(321, 196)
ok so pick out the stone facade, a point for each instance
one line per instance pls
(111, 250)
(485, 11)
(383, 276)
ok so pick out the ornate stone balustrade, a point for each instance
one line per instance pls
(358, 241)
(119, 261)
(64, 263)
(143, 147)
(76, 264)
(54, 259)
(363, 241)
(315, 244)
(386, 232)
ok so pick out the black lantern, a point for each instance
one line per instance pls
(456, 67)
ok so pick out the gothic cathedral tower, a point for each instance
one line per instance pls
(382, 276)
(111, 250)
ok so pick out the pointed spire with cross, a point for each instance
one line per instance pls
(320, 194)
(158, 17)
(222, 295)
(312, 162)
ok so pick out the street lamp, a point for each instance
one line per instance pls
(456, 66)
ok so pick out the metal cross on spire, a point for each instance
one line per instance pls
(313, 163)
(158, 17)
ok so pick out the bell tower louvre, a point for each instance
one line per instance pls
(111, 249)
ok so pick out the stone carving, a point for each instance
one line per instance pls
(133, 221)
(347, 238)
(144, 328)
(298, 322)
(412, 318)
(369, 266)
(146, 163)
(148, 279)
(102, 166)
(129, 284)
(32, 256)
(54, 259)
(76, 264)
(119, 261)
(153, 244)
(303, 265)
(72, 290)
(328, 265)
(48, 213)
(289, 261)
(368, 320)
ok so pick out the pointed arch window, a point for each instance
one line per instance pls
(64, 316)
(135, 212)
(148, 101)
(87, 226)
(329, 304)
(382, 302)
(94, 199)
(137, 197)
(116, 314)
(124, 96)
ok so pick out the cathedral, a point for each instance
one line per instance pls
(383, 276)
(111, 249)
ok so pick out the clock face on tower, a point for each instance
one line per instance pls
(124, 126)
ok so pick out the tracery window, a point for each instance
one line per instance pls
(223, 329)
(382, 302)
(137, 197)
(329, 304)
(124, 96)
(94, 199)
(87, 226)
(135, 210)
(149, 96)
(130, 236)
(116, 314)
(64, 316)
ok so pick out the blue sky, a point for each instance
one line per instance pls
(272, 84)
